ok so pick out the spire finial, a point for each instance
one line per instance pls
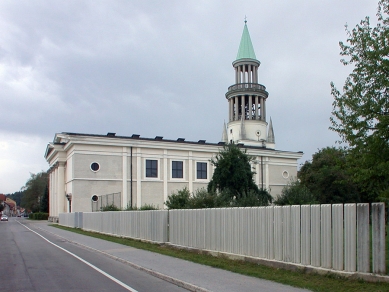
(245, 19)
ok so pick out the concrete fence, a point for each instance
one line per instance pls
(145, 225)
(335, 237)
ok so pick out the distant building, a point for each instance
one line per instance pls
(9, 207)
(2, 202)
(147, 170)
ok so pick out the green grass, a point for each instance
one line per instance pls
(300, 279)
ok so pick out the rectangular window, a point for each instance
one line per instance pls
(201, 170)
(151, 168)
(177, 169)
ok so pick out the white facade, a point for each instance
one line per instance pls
(146, 171)
(122, 163)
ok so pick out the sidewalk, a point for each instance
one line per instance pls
(194, 277)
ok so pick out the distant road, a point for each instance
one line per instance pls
(32, 260)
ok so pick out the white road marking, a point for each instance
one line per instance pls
(85, 262)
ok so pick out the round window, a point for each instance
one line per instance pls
(95, 166)
(285, 174)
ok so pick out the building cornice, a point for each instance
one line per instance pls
(158, 143)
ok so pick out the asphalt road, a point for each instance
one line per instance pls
(32, 260)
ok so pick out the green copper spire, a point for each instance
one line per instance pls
(246, 50)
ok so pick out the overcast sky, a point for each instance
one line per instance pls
(162, 68)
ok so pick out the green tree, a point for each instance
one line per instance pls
(360, 113)
(328, 178)
(17, 197)
(34, 191)
(233, 175)
(295, 193)
(44, 204)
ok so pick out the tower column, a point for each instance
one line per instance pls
(236, 108)
(249, 74)
(242, 99)
(244, 74)
(256, 107)
(231, 104)
(250, 107)
(61, 187)
(239, 74)
(262, 108)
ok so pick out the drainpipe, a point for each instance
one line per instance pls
(131, 180)
(262, 171)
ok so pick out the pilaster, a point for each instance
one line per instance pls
(124, 178)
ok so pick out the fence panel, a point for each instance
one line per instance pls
(270, 233)
(363, 241)
(325, 236)
(306, 235)
(67, 219)
(337, 237)
(350, 237)
(378, 233)
(328, 236)
(296, 233)
(286, 234)
(278, 251)
(315, 235)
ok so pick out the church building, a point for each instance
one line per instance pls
(87, 170)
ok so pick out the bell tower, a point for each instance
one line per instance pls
(247, 122)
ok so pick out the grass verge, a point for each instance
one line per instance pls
(314, 282)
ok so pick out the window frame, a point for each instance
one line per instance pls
(172, 171)
(201, 170)
(95, 163)
(151, 168)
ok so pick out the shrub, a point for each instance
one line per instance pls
(111, 207)
(253, 199)
(148, 207)
(39, 216)
(203, 199)
(143, 208)
(178, 200)
(295, 194)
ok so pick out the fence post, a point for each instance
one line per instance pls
(296, 233)
(350, 240)
(378, 224)
(325, 228)
(363, 241)
(337, 229)
(278, 254)
(306, 234)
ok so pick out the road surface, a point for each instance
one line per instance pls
(32, 260)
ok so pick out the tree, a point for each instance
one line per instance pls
(360, 113)
(328, 178)
(44, 204)
(17, 197)
(34, 191)
(233, 174)
(295, 193)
